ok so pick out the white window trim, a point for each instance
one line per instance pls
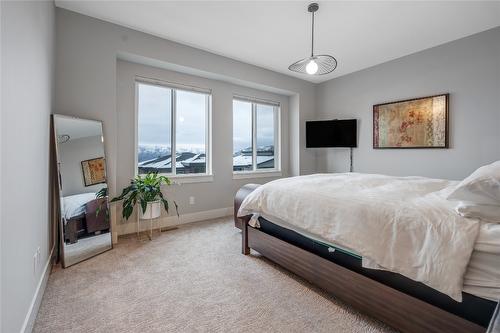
(191, 178)
(177, 178)
(261, 173)
(256, 174)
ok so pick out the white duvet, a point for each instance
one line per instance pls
(402, 224)
(74, 205)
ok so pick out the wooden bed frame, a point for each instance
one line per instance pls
(395, 308)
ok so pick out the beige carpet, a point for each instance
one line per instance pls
(192, 279)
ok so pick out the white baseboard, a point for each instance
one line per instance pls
(172, 221)
(29, 321)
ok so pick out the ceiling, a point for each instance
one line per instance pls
(274, 34)
(77, 128)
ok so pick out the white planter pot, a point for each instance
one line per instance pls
(153, 210)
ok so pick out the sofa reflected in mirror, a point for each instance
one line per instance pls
(84, 222)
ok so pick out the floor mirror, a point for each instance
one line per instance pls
(84, 221)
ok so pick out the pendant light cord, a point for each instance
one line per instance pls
(312, 36)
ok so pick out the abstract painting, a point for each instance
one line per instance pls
(94, 171)
(414, 123)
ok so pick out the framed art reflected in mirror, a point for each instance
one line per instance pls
(413, 123)
(94, 171)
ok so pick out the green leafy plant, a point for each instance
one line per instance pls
(144, 189)
(102, 194)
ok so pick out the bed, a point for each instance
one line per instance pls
(80, 215)
(440, 277)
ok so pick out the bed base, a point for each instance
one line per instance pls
(396, 309)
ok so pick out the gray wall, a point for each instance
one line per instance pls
(86, 53)
(71, 154)
(469, 69)
(218, 193)
(27, 37)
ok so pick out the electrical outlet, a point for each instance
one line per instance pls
(191, 200)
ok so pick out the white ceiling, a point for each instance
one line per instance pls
(77, 128)
(274, 34)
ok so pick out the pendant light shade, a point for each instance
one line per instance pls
(315, 64)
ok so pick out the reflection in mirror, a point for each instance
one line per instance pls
(85, 221)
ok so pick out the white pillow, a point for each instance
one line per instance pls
(482, 187)
(487, 213)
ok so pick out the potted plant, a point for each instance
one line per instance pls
(145, 190)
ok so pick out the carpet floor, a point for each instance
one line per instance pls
(192, 279)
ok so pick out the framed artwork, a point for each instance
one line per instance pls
(413, 123)
(94, 171)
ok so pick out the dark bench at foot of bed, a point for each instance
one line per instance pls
(380, 300)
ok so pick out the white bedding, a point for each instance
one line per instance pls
(74, 205)
(489, 239)
(482, 277)
(402, 224)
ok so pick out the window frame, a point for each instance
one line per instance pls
(255, 172)
(174, 87)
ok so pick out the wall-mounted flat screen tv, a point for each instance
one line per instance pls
(331, 133)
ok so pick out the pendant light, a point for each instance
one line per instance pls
(315, 64)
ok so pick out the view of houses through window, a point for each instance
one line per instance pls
(173, 132)
(159, 136)
(255, 128)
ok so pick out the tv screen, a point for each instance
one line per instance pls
(331, 133)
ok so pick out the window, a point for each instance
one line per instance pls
(172, 130)
(255, 136)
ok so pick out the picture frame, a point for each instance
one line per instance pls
(412, 123)
(94, 171)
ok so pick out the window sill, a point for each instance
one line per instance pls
(188, 179)
(256, 174)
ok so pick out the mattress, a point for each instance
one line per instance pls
(473, 308)
(482, 277)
